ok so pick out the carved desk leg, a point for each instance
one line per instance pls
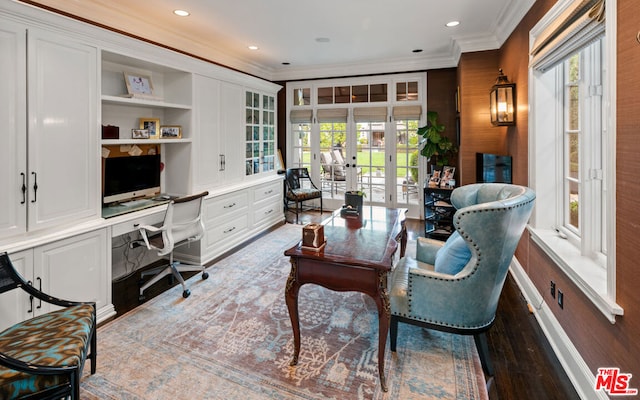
(384, 316)
(291, 298)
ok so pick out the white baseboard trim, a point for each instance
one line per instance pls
(572, 362)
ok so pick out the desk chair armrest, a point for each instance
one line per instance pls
(149, 228)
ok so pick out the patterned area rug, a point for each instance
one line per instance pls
(232, 339)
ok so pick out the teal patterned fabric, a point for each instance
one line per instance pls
(59, 338)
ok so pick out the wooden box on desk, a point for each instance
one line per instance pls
(313, 236)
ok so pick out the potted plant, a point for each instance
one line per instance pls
(436, 148)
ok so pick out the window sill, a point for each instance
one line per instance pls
(585, 273)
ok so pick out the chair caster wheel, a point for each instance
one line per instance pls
(205, 275)
(186, 293)
(141, 298)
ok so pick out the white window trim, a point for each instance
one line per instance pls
(589, 275)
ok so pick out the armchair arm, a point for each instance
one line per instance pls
(443, 299)
(426, 249)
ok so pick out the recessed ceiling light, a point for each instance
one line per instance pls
(252, 47)
(323, 40)
(453, 23)
(181, 13)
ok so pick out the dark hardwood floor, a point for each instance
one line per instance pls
(525, 365)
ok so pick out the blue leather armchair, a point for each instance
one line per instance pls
(490, 219)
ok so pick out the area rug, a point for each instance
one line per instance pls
(232, 339)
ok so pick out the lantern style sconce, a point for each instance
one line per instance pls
(503, 101)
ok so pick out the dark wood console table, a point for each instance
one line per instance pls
(357, 257)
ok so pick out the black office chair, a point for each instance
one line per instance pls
(300, 188)
(182, 225)
(43, 357)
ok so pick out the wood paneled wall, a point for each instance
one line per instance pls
(441, 97)
(477, 72)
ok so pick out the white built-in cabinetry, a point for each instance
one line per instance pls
(48, 153)
(172, 106)
(61, 80)
(75, 268)
(218, 116)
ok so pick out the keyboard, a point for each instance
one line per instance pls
(136, 203)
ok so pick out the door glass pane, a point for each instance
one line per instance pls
(301, 145)
(371, 158)
(332, 159)
(407, 156)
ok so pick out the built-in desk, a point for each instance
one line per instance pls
(111, 211)
(126, 219)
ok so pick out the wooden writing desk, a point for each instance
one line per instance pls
(357, 257)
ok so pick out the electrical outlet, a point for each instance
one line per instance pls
(560, 299)
(553, 289)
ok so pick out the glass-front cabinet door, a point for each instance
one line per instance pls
(260, 133)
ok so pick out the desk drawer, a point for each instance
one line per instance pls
(268, 211)
(133, 224)
(225, 205)
(226, 230)
(267, 191)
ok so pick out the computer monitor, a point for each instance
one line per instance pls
(130, 177)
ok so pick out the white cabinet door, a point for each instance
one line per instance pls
(62, 130)
(15, 305)
(218, 119)
(210, 159)
(13, 156)
(76, 268)
(233, 130)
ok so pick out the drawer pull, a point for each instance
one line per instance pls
(269, 192)
(230, 205)
(230, 230)
(268, 212)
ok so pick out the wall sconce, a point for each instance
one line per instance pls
(503, 101)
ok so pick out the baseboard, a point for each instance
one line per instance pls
(572, 362)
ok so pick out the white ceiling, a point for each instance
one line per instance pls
(364, 36)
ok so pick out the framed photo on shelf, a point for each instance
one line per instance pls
(140, 134)
(152, 125)
(447, 180)
(434, 180)
(138, 85)
(170, 132)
